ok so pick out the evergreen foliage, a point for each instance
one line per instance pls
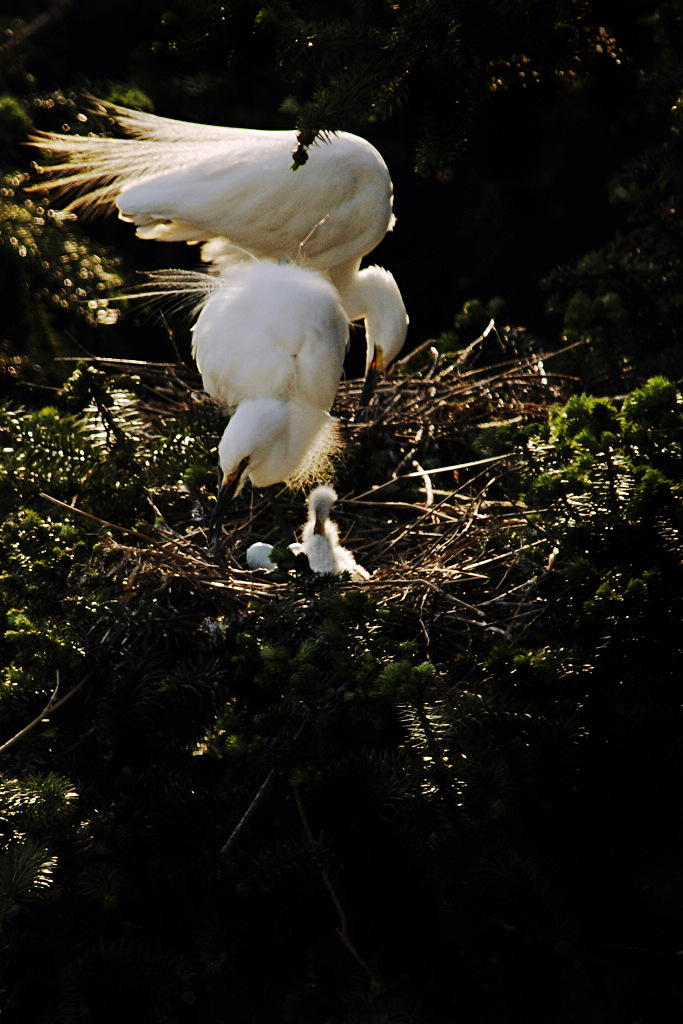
(452, 793)
(291, 804)
(623, 296)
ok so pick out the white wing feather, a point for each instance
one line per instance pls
(233, 189)
(181, 181)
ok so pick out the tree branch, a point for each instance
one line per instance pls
(45, 713)
(265, 786)
(342, 931)
(39, 24)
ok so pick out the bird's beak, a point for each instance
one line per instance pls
(374, 372)
(319, 526)
(229, 487)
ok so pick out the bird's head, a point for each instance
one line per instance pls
(253, 435)
(255, 444)
(272, 441)
(386, 326)
(320, 502)
(231, 484)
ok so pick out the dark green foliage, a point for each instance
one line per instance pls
(181, 716)
(53, 275)
(624, 296)
(463, 818)
(609, 498)
(367, 61)
(298, 808)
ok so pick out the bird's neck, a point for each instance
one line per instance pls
(284, 441)
(373, 295)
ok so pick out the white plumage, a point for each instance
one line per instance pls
(320, 539)
(320, 542)
(272, 441)
(269, 329)
(269, 342)
(234, 188)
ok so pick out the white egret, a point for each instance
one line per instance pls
(234, 189)
(320, 539)
(269, 342)
(320, 542)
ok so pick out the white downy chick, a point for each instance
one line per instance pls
(321, 539)
(258, 555)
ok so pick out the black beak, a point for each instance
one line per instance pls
(375, 371)
(227, 490)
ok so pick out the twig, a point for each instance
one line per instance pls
(415, 352)
(160, 544)
(505, 554)
(342, 931)
(466, 352)
(429, 490)
(258, 798)
(51, 706)
(432, 472)
(39, 24)
(96, 519)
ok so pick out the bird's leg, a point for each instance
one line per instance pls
(215, 523)
(279, 518)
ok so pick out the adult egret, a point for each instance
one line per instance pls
(234, 189)
(271, 441)
(269, 342)
(320, 542)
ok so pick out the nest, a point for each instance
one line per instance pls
(422, 507)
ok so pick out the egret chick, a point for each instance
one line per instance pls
(321, 539)
(234, 189)
(258, 555)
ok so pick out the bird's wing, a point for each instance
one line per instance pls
(336, 207)
(96, 169)
(181, 181)
(315, 336)
(186, 291)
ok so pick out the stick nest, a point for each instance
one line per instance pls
(422, 505)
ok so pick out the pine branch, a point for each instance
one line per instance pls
(40, 24)
(95, 519)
